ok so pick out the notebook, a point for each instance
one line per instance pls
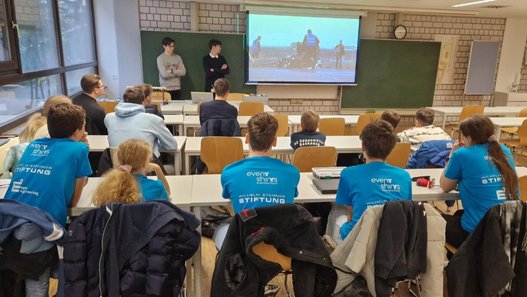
(327, 186)
(200, 97)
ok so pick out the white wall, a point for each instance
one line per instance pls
(512, 51)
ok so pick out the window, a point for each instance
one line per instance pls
(76, 27)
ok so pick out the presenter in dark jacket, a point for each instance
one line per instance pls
(92, 88)
(214, 65)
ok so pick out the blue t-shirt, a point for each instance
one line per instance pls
(151, 189)
(46, 174)
(258, 182)
(371, 184)
(479, 181)
(305, 138)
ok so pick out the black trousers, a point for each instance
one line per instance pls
(175, 94)
(455, 234)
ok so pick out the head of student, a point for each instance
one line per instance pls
(120, 185)
(169, 45)
(38, 120)
(378, 140)
(66, 120)
(392, 117)
(424, 117)
(261, 132)
(134, 95)
(478, 129)
(147, 89)
(215, 46)
(309, 121)
(222, 87)
(92, 85)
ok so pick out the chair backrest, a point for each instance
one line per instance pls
(218, 152)
(160, 96)
(108, 106)
(332, 126)
(305, 158)
(365, 119)
(522, 133)
(236, 96)
(470, 110)
(523, 113)
(283, 124)
(522, 182)
(250, 108)
(399, 155)
(269, 253)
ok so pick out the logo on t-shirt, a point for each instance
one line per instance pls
(18, 187)
(263, 177)
(39, 150)
(489, 179)
(386, 184)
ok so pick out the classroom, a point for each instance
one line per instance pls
(263, 148)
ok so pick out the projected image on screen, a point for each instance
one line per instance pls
(301, 49)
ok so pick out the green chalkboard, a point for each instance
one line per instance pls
(393, 74)
(192, 47)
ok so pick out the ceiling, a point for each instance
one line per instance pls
(513, 8)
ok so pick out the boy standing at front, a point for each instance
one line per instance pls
(308, 136)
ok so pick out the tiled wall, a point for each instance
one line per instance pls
(225, 18)
(164, 15)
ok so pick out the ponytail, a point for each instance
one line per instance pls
(118, 186)
(508, 175)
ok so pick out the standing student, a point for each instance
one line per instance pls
(129, 184)
(309, 134)
(424, 130)
(92, 88)
(214, 65)
(392, 117)
(218, 108)
(483, 171)
(373, 183)
(147, 103)
(171, 69)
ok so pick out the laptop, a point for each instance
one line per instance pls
(200, 97)
(256, 98)
(327, 186)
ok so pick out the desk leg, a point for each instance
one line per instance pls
(187, 164)
(443, 117)
(177, 163)
(497, 132)
(184, 131)
(180, 130)
(197, 257)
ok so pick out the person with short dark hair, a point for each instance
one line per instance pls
(214, 65)
(130, 121)
(424, 130)
(149, 107)
(171, 68)
(375, 182)
(218, 108)
(392, 117)
(92, 88)
(309, 134)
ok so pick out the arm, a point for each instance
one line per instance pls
(349, 210)
(180, 70)
(225, 67)
(163, 71)
(77, 192)
(209, 71)
(160, 175)
(167, 142)
(447, 184)
(99, 122)
(452, 173)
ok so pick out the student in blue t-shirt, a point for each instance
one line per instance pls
(373, 183)
(52, 172)
(482, 170)
(128, 183)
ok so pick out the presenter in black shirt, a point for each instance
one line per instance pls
(214, 65)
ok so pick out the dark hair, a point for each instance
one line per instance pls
(89, 82)
(481, 131)
(262, 129)
(167, 41)
(378, 139)
(392, 117)
(134, 95)
(425, 116)
(147, 88)
(64, 119)
(214, 42)
(222, 86)
(309, 121)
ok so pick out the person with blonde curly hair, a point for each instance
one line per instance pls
(128, 183)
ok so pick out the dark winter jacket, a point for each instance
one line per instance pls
(431, 153)
(129, 250)
(400, 252)
(220, 127)
(493, 259)
(291, 229)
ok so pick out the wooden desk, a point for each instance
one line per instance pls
(192, 109)
(192, 121)
(174, 107)
(176, 121)
(295, 120)
(505, 122)
(444, 112)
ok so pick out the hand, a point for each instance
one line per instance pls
(456, 145)
(169, 71)
(152, 167)
(84, 139)
(224, 66)
(211, 69)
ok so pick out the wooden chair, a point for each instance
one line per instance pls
(522, 182)
(305, 158)
(399, 155)
(108, 106)
(218, 152)
(250, 108)
(236, 96)
(466, 112)
(161, 96)
(283, 124)
(514, 130)
(332, 126)
(519, 144)
(365, 119)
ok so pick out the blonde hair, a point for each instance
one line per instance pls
(37, 120)
(119, 185)
(309, 121)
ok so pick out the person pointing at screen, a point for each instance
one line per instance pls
(214, 64)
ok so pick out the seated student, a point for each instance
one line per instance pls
(128, 184)
(424, 130)
(92, 88)
(483, 171)
(218, 108)
(52, 172)
(130, 121)
(149, 107)
(308, 135)
(392, 117)
(373, 183)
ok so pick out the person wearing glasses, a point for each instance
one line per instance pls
(92, 88)
(171, 69)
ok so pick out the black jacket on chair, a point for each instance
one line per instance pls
(220, 127)
(482, 264)
(129, 250)
(291, 229)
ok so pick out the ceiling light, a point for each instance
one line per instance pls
(472, 3)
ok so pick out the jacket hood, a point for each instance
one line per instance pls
(124, 110)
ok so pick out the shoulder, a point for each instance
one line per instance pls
(233, 168)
